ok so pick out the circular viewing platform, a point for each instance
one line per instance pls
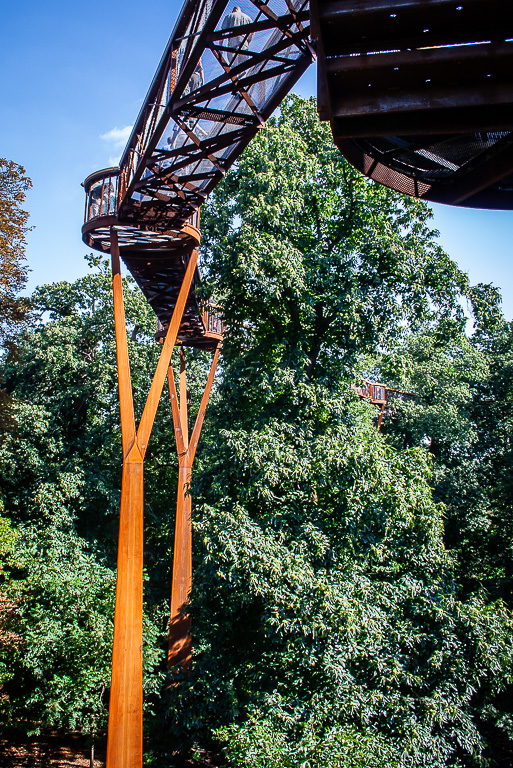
(156, 260)
(102, 190)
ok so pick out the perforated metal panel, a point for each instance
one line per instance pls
(420, 94)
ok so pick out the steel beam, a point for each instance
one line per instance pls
(179, 648)
(124, 745)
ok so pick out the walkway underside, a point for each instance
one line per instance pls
(419, 94)
(158, 264)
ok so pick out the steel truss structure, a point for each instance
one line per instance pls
(220, 78)
(395, 113)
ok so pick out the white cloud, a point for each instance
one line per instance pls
(117, 137)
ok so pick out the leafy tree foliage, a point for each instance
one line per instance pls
(59, 670)
(13, 269)
(63, 460)
(14, 185)
(9, 638)
(341, 613)
(462, 414)
(313, 264)
(61, 476)
(325, 608)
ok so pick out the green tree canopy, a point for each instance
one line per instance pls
(14, 185)
(312, 263)
(60, 478)
(328, 626)
(332, 625)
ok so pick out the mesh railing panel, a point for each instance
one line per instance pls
(219, 82)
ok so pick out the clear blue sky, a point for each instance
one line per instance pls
(74, 77)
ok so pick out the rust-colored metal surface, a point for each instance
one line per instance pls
(222, 74)
(380, 394)
(124, 748)
(179, 651)
(125, 712)
(224, 71)
(419, 94)
(220, 77)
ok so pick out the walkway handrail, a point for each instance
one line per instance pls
(102, 191)
(211, 93)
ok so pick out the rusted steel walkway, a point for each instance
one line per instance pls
(221, 76)
(224, 71)
(380, 394)
(419, 94)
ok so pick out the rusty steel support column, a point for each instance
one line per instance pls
(125, 712)
(381, 416)
(179, 651)
(124, 749)
(124, 746)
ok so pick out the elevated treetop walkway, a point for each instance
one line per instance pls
(224, 71)
(420, 98)
(215, 86)
(380, 394)
(418, 93)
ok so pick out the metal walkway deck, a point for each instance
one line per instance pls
(221, 76)
(419, 94)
